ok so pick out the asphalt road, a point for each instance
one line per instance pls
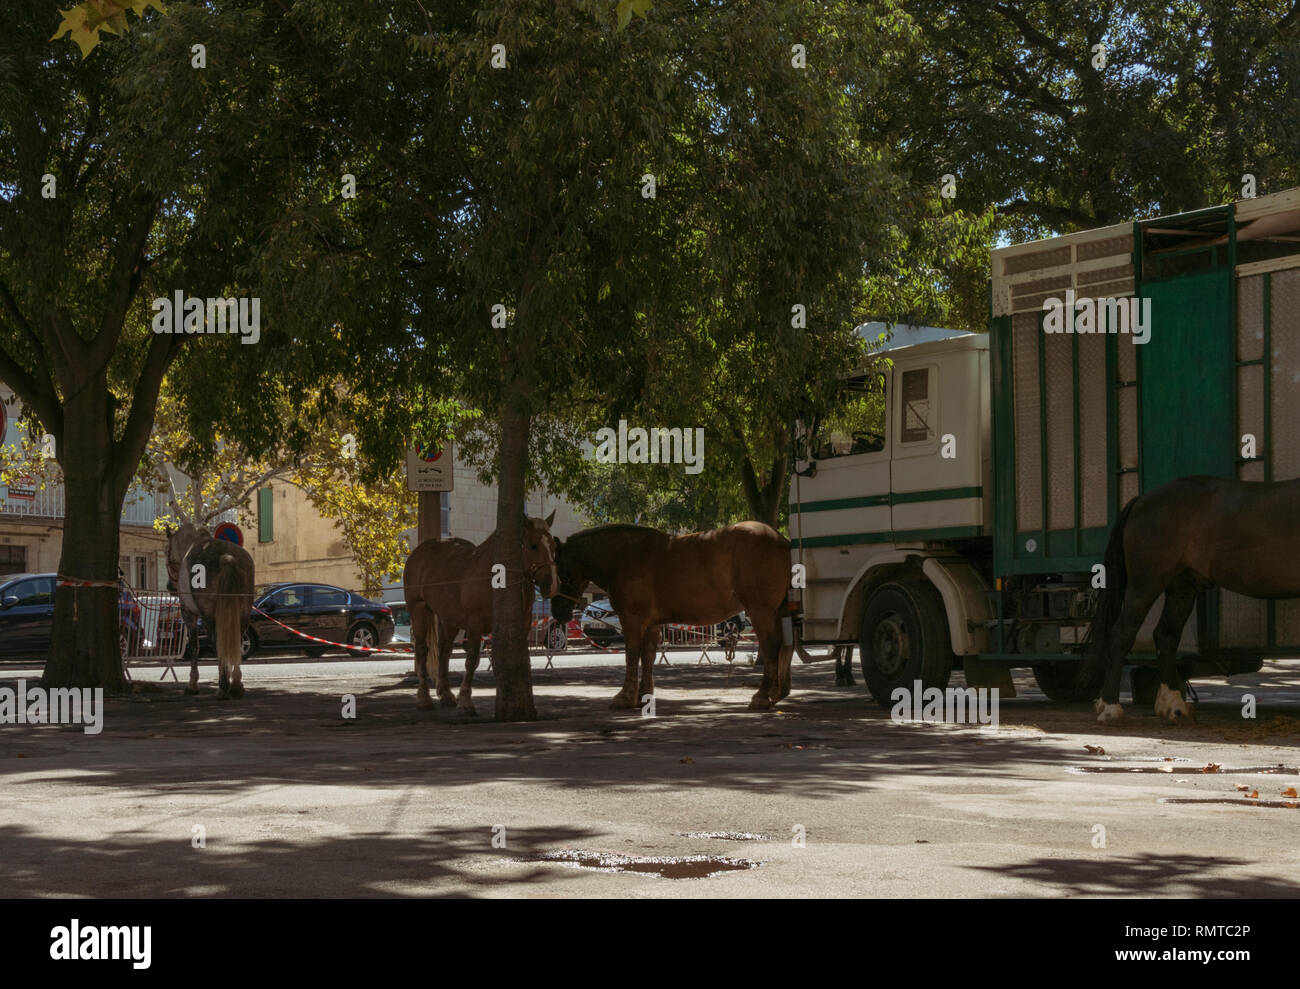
(824, 797)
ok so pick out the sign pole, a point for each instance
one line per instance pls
(429, 516)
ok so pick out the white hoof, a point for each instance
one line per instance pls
(1170, 705)
(1109, 713)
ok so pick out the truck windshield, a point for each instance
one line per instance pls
(857, 425)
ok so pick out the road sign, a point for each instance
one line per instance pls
(429, 468)
(230, 532)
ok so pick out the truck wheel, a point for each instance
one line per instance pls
(904, 639)
(1059, 681)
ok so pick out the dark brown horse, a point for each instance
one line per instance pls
(1189, 534)
(448, 588)
(699, 579)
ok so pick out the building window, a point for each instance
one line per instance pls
(265, 513)
(13, 559)
(134, 570)
(444, 503)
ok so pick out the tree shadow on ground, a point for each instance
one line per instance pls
(442, 862)
(1191, 876)
(821, 743)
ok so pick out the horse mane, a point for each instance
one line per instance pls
(610, 529)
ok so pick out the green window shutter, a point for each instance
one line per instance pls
(265, 506)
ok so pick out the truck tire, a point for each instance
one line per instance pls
(904, 639)
(1059, 681)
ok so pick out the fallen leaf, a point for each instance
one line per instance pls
(1169, 758)
(1290, 803)
(1290, 792)
(688, 761)
(1095, 749)
(1211, 768)
(1243, 786)
(1254, 795)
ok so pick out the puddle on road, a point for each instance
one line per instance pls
(1239, 802)
(727, 835)
(665, 866)
(1191, 769)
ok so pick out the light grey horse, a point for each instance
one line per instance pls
(214, 579)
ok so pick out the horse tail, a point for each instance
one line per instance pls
(230, 611)
(1109, 601)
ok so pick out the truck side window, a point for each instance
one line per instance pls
(916, 427)
(858, 425)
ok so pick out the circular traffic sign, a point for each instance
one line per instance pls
(230, 532)
(427, 453)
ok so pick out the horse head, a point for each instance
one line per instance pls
(179, 542)
(539, 553)
(570, 583)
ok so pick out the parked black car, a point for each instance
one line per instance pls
(322, 610)
(27, 613)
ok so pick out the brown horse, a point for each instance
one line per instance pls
(448, 588)
(1189, 534)
(699, 578)
(214, 580)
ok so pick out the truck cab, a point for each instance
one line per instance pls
(901, 509)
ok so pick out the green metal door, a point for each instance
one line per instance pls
(1187, 376)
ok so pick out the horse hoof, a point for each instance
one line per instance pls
(621, 703)
(447, 701)
(1109, 713)
(467, 710)
(1171, 707)
(222, 694)
(191, 690)
(237, 691)
(760, 702)
(425, 702)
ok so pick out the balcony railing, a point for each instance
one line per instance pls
(140, 508)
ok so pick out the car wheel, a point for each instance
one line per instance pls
(248, 644)
(361, 638)
(557, 637)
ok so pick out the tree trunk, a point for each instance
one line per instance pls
(85, 646)
(764, 500)
(510, 611)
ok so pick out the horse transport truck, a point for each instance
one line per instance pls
(968, 533)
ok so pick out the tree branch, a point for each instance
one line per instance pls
(127, 451)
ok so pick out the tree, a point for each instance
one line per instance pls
(1071, 116)
(208, 478)
(148, 168)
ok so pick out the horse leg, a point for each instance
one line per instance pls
(768, 630)
(1137, 602)
(446, 642)
(626, 698)
(649, 650)
(783, 673)
(192, 647)
(844, 666)
(421, 634)
(1180, 600)
(473, 643)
